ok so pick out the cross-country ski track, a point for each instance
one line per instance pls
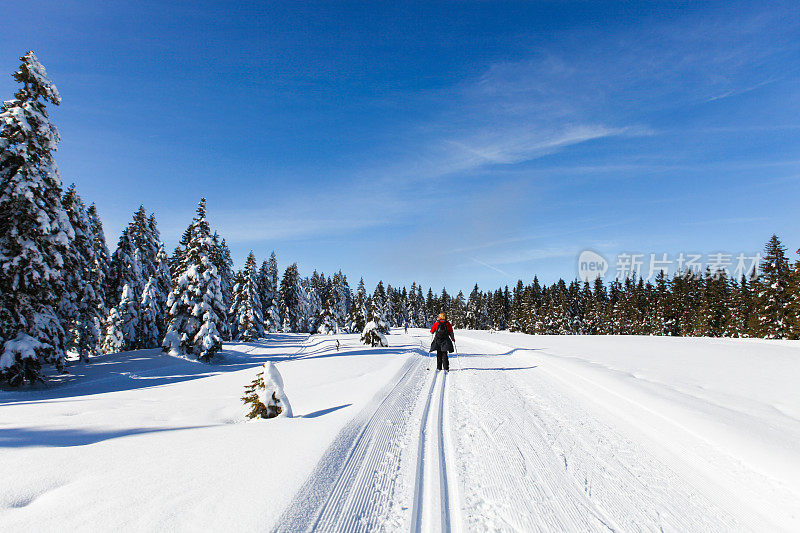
(497, 444)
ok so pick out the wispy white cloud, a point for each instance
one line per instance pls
(491, 267)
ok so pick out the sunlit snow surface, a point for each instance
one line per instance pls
(525, 433)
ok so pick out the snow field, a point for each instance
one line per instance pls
(526, 433)
(148, 442)
(704, 407)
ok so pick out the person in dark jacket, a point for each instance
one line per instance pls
(442, 344)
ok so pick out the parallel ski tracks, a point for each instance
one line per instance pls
(363, 483)
(433, 504)
(353, 485)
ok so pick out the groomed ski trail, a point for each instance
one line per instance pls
(436, 506)
(532, 459)
(387, 470)
(358, 484)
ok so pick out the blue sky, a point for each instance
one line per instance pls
(447, 143)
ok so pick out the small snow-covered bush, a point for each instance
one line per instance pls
(265, 395)
(19, 361)
(372, 335)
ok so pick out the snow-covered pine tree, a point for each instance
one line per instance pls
(772, 292)
(150, 315)
(177, 262)
(337, 300)
(102, 256)
(794, 300)
(129, 311)
(221, 257)
(83, 303)
(113, 340)
(162, 282)
(422, 317)
(155, 274)
(379, 306)
(246, 314)
(358, 314)
(127, 282)
(268, 281)
(196, 310)
(375, 329)
(472, 318)
(310, 307)
(291, 299)
(326, 320)
(738, 310)
(265, 395)
(35, 232)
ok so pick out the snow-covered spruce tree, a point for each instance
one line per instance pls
(265, 395)
(138, 264)
(221, 258)
(127, 282)
(291, 299)
(155, 276)
(268, 287)
(374, 333)
(102, 257)
(129, 313)
(35, 232)
(326, 319)
(380, 307)
(247, 318)
(794, 300)
(150, 313)
(196, 310)
(83, 302)
(338, 299)
(772, 293)
(358, 314)
(311, 306)
(113, 340)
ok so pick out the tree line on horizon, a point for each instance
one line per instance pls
(64, 296)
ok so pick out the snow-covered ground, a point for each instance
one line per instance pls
(527, 433)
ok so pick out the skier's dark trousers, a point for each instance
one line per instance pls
(442, 341)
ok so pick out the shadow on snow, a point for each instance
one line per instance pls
(64, 438)
(152, 368)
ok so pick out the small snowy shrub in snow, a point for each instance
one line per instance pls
(265, 395)
(372, 336)
(18, 361)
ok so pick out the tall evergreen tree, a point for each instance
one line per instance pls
(291, 300)
(268, 285)
(358, 314)
(35, 232)
(83, 302)
(773, 293)
(196, 310)
(246, 312)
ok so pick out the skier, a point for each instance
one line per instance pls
(442, 341)
(405, 326)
